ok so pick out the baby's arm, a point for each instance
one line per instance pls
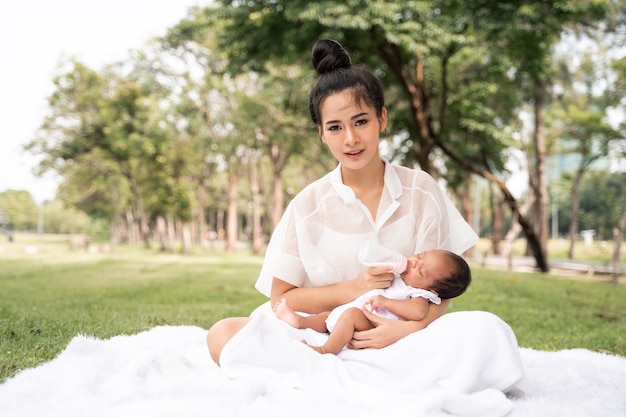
(414, 309)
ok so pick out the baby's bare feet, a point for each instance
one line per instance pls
(286, 314)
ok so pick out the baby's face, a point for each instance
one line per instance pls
(426, 268)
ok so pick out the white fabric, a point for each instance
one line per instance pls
(461, 363)
(397, 291)
(166, 372)
(317, 241)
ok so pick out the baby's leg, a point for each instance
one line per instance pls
(316, 322)
(350, 321)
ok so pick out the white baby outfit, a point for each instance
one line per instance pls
(397, 291)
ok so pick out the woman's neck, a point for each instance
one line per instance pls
(367, 184)
(368, 177)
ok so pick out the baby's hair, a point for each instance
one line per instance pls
(457, 282)
(336, 74)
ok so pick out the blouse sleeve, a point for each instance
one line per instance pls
(441, 225)
(282, 256)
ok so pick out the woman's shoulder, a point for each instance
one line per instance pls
(411, 176)
(313, 192)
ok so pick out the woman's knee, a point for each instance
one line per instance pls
(221, 332)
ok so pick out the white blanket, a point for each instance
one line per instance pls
(166, 371)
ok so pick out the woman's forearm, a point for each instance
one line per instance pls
(314, 299)
(434, 312)
(317, 299)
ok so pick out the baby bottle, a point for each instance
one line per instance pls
(372, 254)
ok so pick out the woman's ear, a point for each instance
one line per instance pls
(321, 133)
(383, 120)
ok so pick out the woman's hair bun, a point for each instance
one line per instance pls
(328, 55)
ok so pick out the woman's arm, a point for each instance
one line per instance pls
(388, 331)
(317, 299)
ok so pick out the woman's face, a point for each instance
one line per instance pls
(351, 131)
(426, 268)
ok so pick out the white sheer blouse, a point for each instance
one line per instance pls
(317, 241)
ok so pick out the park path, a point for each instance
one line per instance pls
(557, 267)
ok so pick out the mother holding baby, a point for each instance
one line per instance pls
(312, 257)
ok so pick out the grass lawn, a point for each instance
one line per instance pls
(48, 295)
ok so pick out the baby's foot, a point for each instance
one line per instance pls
(286, 314)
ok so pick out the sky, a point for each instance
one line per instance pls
(35, 36)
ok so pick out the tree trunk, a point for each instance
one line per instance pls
(140, 213)
(278, 198)
(278, 159)
(515, 229)
(117, 230)
(231, 216)
(467, 207)
(133, 229)
(618, 235)
(220, 225)
(161, 234)
(574, 207)
(541, 195)
(201, 214)
(497, 221)
(185, 237)
(257, 232)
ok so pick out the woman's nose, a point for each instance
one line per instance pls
(351, 137)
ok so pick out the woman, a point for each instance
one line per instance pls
(312, 257)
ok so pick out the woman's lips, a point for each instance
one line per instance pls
(354, 154)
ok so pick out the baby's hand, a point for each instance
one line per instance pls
(376, 302)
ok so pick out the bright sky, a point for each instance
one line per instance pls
(35, 35)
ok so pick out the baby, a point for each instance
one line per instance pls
(424, 278)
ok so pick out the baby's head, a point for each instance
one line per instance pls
(440, 271)
(456, 280)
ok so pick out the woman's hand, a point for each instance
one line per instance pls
(385, 332)
(374, 278)
(388, 331)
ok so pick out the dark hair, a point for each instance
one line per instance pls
(455, 284)
(336, 74)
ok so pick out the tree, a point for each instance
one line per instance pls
(602, 199)
(420, 48)
(619, 66)
(273, 98)
(107, 113)
(20, 210)
(591, 135)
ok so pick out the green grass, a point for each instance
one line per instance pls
(552, 313)
(48, 295)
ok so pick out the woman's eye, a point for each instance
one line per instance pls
(333, 128)
(360, 122)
